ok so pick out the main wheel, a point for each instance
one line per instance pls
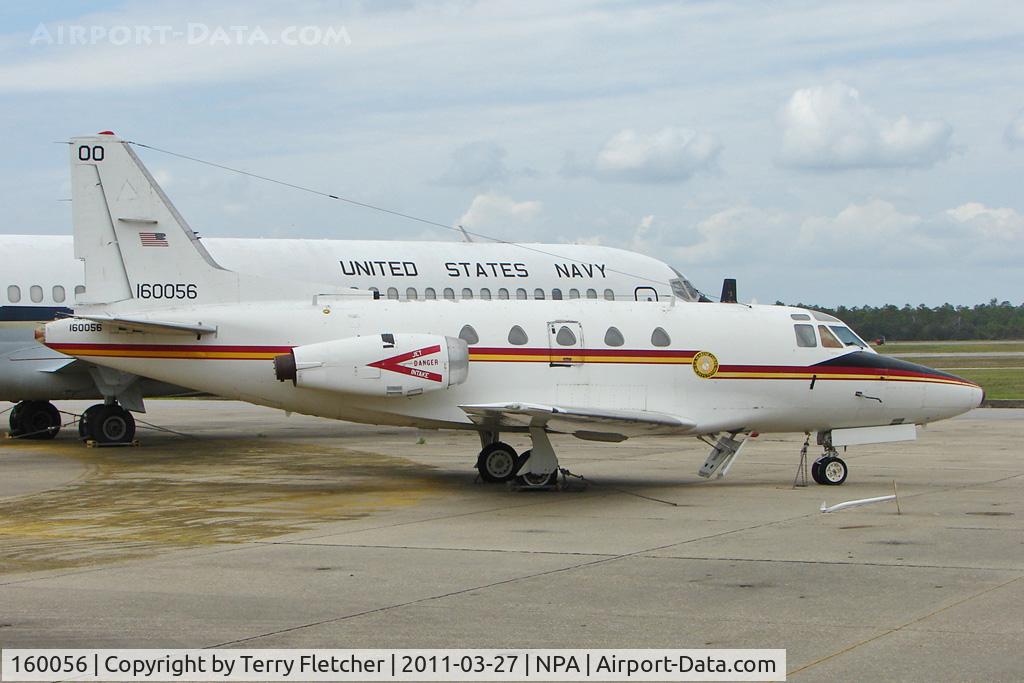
(112, 424)
(86, 418)
(531, 480)
(15, 419)
(832, 471)
(497, 462)
(38, 420)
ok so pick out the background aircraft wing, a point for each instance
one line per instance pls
(598, 424)
(146, 325)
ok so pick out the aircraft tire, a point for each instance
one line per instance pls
(536, 481)
(816, 471)
(832, 471)
(85, 418)
(14, 420)
(38, 420)
(497, 462)
(112, 424)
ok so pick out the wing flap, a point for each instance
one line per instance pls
(588, 423)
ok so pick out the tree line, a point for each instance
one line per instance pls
(994, 320)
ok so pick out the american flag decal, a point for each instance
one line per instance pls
(154, 239)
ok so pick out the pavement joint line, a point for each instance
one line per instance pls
(836, 562)
(901, 627)
(370, 546)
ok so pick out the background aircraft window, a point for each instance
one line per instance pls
(485, 293)
(502, 293)
(609, 295)
(613, 337)
(375, 291)
(517, 336)
(13, 294)
(538, 294)
(565, 337)
(847, 336)
(805, 335)
(574, 293)
(411, 294)
(467, 293)
(392, 293)
(58, 294)
(429, 293)
(556, 294)
(521, 294)
(591, 293)
(799, 316)
(35, 292)
(828, 340)
(468, 334)
(79, 289)
(449, 294)
(660, 337)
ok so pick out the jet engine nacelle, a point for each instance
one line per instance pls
(377, 365)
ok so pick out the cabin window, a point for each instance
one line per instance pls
(521, 294)
(58, 294)
(376, 292)
(429, 293)
(35, 292)
(79, 289)
(503, 294)
(613, 337)
(411, 294)
(393, 293)
(468, 334)
(660, 337)
(538, 294)
(13, 294)
(609, 295)
(828, 340)
(556, 294)
(517, 336)
(574, 294)
(591, 293)
(449, 294)
(565, 337)
(467, 293)
(485, 293)
(805, 335)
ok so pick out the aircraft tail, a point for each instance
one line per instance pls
(136, 246)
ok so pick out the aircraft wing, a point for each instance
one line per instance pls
(146, 325)
(597, 424)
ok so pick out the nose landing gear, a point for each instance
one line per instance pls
(533, 468)
(829, 469)
(106, 424)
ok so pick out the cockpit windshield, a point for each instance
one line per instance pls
(682, 288)
(847, 336)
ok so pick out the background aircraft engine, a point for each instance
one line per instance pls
(377, 365)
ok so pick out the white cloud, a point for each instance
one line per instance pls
(491, 211)
(669, 155)
(1014, 133)
(829, 127)
(476, 163)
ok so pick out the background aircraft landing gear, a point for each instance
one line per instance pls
(829, 469)
(498, 462)
(106, 424)
(35, 420)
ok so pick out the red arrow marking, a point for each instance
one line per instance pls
(394, 364)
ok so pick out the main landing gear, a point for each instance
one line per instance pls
(38, 420)
(106, 424)
(533, 468)
(829, 469)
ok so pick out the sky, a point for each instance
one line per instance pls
(842, 153)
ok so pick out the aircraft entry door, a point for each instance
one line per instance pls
(565, 342)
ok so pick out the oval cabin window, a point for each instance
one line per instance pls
(517, 336)
(13, 294)
(660, 337)
(58, 294)
(565, 337)
(35, 292)
(469, 335)
(613, 337)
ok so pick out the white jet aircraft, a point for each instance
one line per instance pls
(41, 277)
(597, 370)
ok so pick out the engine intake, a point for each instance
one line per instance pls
(377, 365)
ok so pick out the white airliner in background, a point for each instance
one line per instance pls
(41, 278)
(599, 370)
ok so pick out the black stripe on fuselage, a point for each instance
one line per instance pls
(863, 359)
(39, 314)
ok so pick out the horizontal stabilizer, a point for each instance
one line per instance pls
(151, 326)
(587, 423)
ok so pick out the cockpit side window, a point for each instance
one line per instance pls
(847, 336)
(828, 340)
(805, 335)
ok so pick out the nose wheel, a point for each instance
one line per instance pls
(829, 470)
(106, 425)
(497, 462)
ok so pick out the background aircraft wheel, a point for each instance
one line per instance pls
(85, 418)
(112, 424)
(40, 419)
(497, 462)
(832, 470)
(15, 419)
